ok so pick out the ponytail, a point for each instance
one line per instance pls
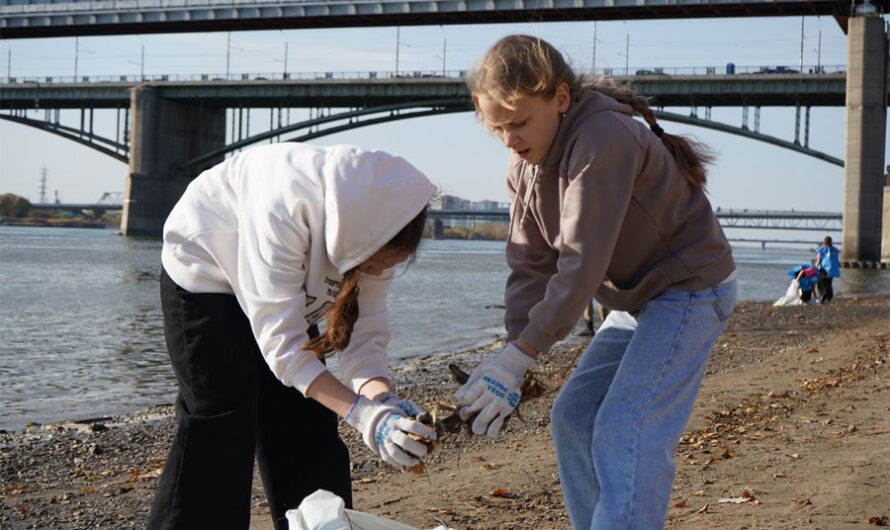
(691, 156)
(341, 319)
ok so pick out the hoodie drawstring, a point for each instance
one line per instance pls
(528, 194)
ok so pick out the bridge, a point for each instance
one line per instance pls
(375, 97)
(50, 18)
(168, 135)
(731, 218)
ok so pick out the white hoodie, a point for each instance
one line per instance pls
(277, 226)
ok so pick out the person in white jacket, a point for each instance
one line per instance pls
(257, 251)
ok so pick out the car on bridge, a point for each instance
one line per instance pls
(657, 71)
(777, 70)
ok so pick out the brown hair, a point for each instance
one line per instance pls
(344, 312)
(519, 65)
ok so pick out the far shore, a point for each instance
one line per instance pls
(59, 223)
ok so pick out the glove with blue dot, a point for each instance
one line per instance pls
(385, 431)
(493, 390)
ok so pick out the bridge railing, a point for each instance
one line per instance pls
(407, 74)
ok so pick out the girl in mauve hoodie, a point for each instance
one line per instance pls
(602, 206)
(258, 250)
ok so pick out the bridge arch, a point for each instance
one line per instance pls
(393, 112)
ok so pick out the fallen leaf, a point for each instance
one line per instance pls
(813, 350)
(499, 493)
(795, 456)
(745, 498)
(488, 466)
(779, 475)
(704, 509)
(802, 502)
(681, 504)
(878, 520)
(698, 493)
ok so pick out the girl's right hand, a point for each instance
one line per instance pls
(385, 431)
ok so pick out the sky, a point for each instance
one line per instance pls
(453, 150)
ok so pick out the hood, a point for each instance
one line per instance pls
(369, 197)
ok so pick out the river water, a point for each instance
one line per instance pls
(80, 322)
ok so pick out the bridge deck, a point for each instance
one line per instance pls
(51, 18)
(667, 90)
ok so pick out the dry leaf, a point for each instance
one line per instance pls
(704, 509)
(802, 502)
(698, 493)
(681, 504)
(499, 493)
(488, 466)
(878, 520)
(745, 498)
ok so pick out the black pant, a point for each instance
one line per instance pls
(824, 290)
(230, 408)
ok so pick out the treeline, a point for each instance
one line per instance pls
(11, 205)
(18, 211)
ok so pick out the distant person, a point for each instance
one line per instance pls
(828, 262)
(257, 251)
(604, 205)
(590, 318)
(806, 278)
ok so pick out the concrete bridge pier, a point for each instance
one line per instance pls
(867, 57)
(164, 134)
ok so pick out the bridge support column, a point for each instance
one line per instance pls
(164, 134)
(866, 133)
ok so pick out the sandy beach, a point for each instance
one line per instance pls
(790, 430)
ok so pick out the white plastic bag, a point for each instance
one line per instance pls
(324, 510)
(792, 295)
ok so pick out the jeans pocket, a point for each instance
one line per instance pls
(724, 300)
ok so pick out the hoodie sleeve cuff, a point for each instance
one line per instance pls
(537, 338)
(366, 373)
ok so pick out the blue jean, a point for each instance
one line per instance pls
(617, 420)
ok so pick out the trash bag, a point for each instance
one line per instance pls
(791, 297)
(324, 510)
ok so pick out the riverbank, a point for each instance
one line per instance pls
(791, 422)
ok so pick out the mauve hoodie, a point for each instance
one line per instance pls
(606, 213)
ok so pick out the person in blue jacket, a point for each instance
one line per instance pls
(806, 277)
(829, 265)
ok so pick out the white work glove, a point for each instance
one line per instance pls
(493, 389)
(405, 405)
(385, 431)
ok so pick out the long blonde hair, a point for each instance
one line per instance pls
(519, 65)
(344, 312)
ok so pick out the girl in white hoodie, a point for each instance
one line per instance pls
(257, 251)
